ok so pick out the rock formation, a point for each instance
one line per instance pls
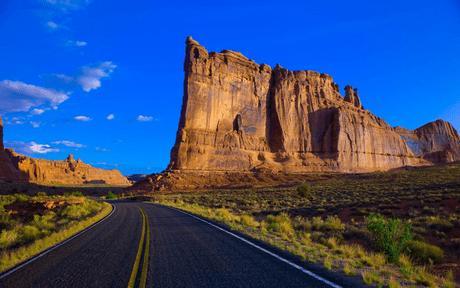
(436, 142)
(238, 117)
(19, 168)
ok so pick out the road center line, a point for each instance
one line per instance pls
(143, 252)
(282, 259)
(135, 269)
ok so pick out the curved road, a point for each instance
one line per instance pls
(184, 252)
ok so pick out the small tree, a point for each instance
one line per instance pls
(390, 235)
(303, 190)
(111, 196)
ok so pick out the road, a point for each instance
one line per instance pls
(183, 252)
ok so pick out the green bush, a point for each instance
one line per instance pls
(111, 196)
(425, 252)
(248, 220)
(333, 223)
(45, 222)
(75, 211)
(304, 190)
(41, 194)
(8, 238)
(390, 235)
(30, 233)
(281, 224)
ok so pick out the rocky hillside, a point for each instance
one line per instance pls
(239, 116)
(19, 168)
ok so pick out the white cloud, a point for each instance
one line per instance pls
(31, 147)
(82, 118)
(110, 116)
(91, 76)
(41, 148)
(35, 124)
(77, 43)
(16, 96)
(101, 149)
(68, 143)
(66, 5)
(81, 43)
(144, 118)
(37, 111)
(52, 25)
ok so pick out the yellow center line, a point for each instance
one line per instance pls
(145, 264)
(135, 269)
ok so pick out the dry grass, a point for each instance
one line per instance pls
(22, 238)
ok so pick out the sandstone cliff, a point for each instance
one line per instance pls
(19, 168)
(238, 116)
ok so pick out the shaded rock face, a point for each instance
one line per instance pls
(436, 142)
(19, 168)
(238, 115)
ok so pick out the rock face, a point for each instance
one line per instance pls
(239, 117)
(19, 168)
(436, 142)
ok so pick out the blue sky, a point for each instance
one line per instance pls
(66, 65)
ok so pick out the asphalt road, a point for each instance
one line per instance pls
(184, 252)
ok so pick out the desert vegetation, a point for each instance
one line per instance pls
(398, 228)
(31, 224)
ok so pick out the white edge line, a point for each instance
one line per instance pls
(16, 268)
(308, 272)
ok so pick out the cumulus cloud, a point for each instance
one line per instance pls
(101, 149)
(16, 96)
(67, 5)
(52, 25)
(68, 143)
(144, 118)
(35, 124)
(31, 147)
(82, 118)
(77, 43)
(37, 111)
(91, 76)
(110, 116)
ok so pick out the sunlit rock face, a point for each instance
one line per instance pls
(19, 168)
(238, 115)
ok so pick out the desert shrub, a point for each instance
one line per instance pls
(393, 283)
(8, 238)
(111, 196)
(371, 277)
(248, 220)
(6, 221)
(405, 265)
(75, 211)
(30, 233)
(334, 224)
(302, 224)
(21, 197)
(45, 222)
(225, 215)
(304, 190)
(390, 235)
(327, 263)
(425, 252)
(281, 224)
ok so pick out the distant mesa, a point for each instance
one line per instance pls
(241, 119)
(15, 167)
